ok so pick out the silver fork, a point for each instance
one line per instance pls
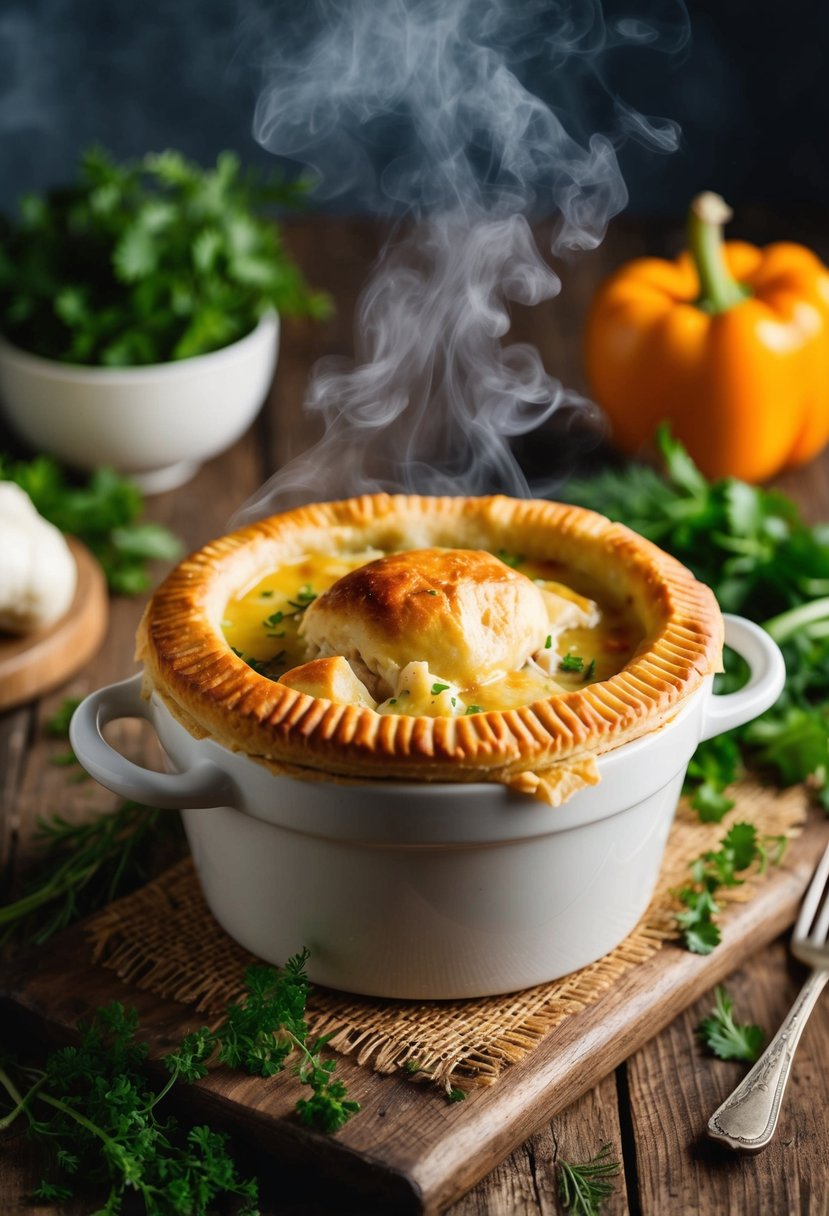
(746, 1121)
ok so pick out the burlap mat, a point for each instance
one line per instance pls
(163, 939)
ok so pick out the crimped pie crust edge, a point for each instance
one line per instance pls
(535, 747)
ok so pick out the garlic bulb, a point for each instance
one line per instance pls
(37, 570)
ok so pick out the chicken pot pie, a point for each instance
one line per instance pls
(430, 639)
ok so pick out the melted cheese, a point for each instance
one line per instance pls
(261, 624)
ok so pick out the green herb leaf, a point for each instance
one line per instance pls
(103, 512)
(714, 766)
(583, 1186)
(84, 866)
(261, 1032)
(740, 848)
(94, 1107)
(439, 688)
(753, 548)
(727, 1039)
(571, 662)
(148, 261)
(58, 724)
(304, 597)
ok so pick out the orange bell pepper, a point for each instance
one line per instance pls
(730, 343)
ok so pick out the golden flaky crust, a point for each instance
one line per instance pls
(471, 616)
(543, 748)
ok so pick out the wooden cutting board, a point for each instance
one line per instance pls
(32, 664)
(408, 1150)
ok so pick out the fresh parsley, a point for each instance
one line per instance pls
(572, 662)
(740, 848)
(271, 669)
(260, 1033)
(148, 261)
(437, 689)
(96, 1110)
(474, 709)
(104, 512)
(58, 724)
(715, 766)
(752, 547)
(584, 1186)
(727, 1039)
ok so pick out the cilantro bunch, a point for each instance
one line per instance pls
(147, 261)
(752, 547)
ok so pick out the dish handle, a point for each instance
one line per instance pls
(203, 784)
(767, 675)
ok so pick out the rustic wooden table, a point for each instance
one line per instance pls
(653, 1108)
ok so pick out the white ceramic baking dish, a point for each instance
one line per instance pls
(402, 889)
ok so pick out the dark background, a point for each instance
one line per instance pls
(749, 91)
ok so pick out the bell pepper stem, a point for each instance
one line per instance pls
(719, 290)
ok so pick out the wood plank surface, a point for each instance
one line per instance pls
(679, 1168)
(408, 1146)
(652, 1107)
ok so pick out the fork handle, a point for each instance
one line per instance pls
(747, 1119)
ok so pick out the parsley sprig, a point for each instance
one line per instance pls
(583, 1186)
(95, 1111)
(102, 1121)
(148, 261)
(727, 1039)
(715, 766)
(104, 512)
(752, 547)
(260, 1033)
(740, 848)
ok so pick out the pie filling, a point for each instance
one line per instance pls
(432, 633)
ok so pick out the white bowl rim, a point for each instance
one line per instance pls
(267, 324)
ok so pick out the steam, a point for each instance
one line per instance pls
(415, 107)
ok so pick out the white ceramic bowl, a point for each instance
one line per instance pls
(402, 889)
(156, 423)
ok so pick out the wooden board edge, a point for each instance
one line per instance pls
(533, 1091)
(461, 1143)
